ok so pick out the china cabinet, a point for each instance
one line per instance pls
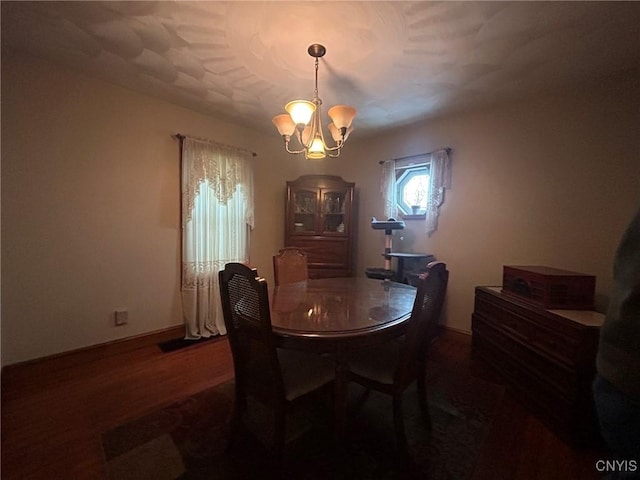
(319, 218)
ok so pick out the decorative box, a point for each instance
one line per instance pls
(549, 287)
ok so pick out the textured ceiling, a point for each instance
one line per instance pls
(396, 62)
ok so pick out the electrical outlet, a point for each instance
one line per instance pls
(122, 317)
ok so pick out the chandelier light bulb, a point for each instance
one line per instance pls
(316, 150)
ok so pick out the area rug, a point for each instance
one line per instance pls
(188, 440)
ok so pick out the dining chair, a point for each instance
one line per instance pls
(267, 377)
(290, 265)
(391, 368)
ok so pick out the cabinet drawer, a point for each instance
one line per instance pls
(546, 356)
(564, 348)
(325, 253)
(328, 272)
(539, 394)
(537, 331)
(558, 376)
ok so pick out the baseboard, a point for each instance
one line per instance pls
(123, 345)
(102, 350)
(457, 330)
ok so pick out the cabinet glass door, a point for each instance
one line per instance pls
(333, 212)
(305, 209)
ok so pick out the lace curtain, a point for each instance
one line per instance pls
(439, 179)
(388, 189)
(217, 215)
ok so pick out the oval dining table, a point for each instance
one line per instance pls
(344, 313)
(334, 315)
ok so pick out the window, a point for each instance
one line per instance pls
(412, 187)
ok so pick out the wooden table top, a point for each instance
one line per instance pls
(333, 312)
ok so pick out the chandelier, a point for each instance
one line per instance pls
(303, 118)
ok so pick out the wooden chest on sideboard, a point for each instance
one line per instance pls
(547, 357)
(550, 287)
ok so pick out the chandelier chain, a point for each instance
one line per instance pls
(315, 92)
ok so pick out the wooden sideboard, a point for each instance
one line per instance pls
(547, 357)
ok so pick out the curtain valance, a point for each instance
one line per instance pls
(222, 168)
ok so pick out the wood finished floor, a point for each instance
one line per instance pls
(54, 411)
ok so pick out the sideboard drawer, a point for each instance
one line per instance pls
(560, 377)
(547, 357)
(552, 337)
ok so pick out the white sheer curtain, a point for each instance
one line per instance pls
(217, 214)
(439, 179)
(388, 189)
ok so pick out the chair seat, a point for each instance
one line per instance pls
(378, 364)
(304, 372)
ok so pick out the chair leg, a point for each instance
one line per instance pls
(361, 400)
(239, 406)
(398, 423)
(280, 428)
(422, 395)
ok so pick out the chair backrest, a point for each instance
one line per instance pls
(290, 265)
(427, 307)
(245, 306)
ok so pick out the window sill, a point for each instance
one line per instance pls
(419, 216)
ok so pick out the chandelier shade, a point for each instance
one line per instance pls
(303, 121)
(342, 115)
(284, 124)
(300, 111)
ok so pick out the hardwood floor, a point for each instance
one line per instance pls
(54, 411)
(519, 447)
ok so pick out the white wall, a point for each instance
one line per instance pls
(552, 180)
(90, 198)
(90, 207)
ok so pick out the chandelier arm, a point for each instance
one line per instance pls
(294, 151)
(286, 145)
(299, 131)
(334, 149)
